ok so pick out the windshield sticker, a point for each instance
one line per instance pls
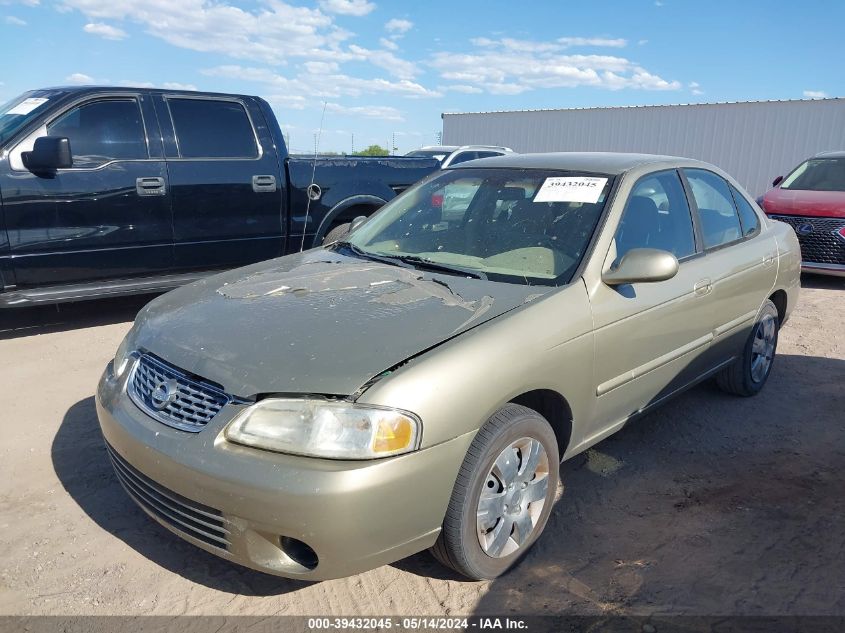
(571, 189)
(27, 105)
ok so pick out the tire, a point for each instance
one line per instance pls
(336, 233)
(747, 375)
(513, 430)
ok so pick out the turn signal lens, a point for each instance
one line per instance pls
(393, 435)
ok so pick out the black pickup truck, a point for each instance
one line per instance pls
(115, 191)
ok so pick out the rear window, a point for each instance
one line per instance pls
(817, 174)
(209, 128)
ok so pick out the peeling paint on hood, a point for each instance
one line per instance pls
(315, 322)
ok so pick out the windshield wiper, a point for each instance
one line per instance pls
(410, 261)
(421, 262)
(384, 259)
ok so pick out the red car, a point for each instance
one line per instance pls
(812, 199)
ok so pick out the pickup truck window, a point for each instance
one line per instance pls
(102, 131)
(212, 128)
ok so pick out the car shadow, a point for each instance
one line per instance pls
(713, 504)
(63, 317)
(822, 282)
(82, 465)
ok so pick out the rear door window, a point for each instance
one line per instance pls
(716, 211)
(747, 216)
(212, 128)
(102, 131)
(463, 157)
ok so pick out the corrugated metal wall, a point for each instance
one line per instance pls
(754, 141)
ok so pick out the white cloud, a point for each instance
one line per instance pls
(175, 85)
(322, 85)
(14, 21)
(79, 78)
(105, 31)
(386, 113)
(511, 66)
(272, 33)
(398, 26)
(569, 42)
(815, 94)
(388, 44)
(462, 88)
(695, 88)
(348, 7)
(321, 68)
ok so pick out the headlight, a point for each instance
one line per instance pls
(122, 357)
(322, 428)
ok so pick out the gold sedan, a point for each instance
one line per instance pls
(416, 383)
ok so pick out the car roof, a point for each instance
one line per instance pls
(438, 148)
(831, 154)
(598, 162)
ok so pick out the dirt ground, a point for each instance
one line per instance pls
(714, 505)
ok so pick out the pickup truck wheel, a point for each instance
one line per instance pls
(336, 233)
(503, 495)
(747, 375)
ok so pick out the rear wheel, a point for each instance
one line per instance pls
(748, 373)
(503, 495)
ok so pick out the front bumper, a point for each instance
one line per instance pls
(245, 504)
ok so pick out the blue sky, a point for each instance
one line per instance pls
(389, 67)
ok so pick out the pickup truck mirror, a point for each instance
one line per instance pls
(642, 265)
(49, 153)
(358, 221)
(777, 181)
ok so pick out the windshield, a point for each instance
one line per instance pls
(817, 174)
(522, 226)
(16, 113)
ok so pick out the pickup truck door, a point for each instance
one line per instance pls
(226, 181)
(108, 216)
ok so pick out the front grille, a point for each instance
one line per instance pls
(199, 521)
(821, 246)
(192, 401)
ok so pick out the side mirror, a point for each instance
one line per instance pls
(642, 265)
(357, 222)
(777, 181)
(49, 153)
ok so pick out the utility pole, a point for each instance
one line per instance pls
(353, 143)
(393, 144)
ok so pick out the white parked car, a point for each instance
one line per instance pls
(454, 154)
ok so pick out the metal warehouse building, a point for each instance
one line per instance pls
(753, 141)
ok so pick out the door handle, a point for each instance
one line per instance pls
(703, 287)
(768, 259)
(263, 184)
(153, 186)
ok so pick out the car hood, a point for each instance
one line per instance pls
(316, 322)
(809, 203)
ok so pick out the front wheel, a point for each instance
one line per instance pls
(503, 495)
(748, 373)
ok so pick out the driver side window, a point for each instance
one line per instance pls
(102, 131)
(657, 216)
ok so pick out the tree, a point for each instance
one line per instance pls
(373, 150)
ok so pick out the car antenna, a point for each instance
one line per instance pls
(312, 192)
